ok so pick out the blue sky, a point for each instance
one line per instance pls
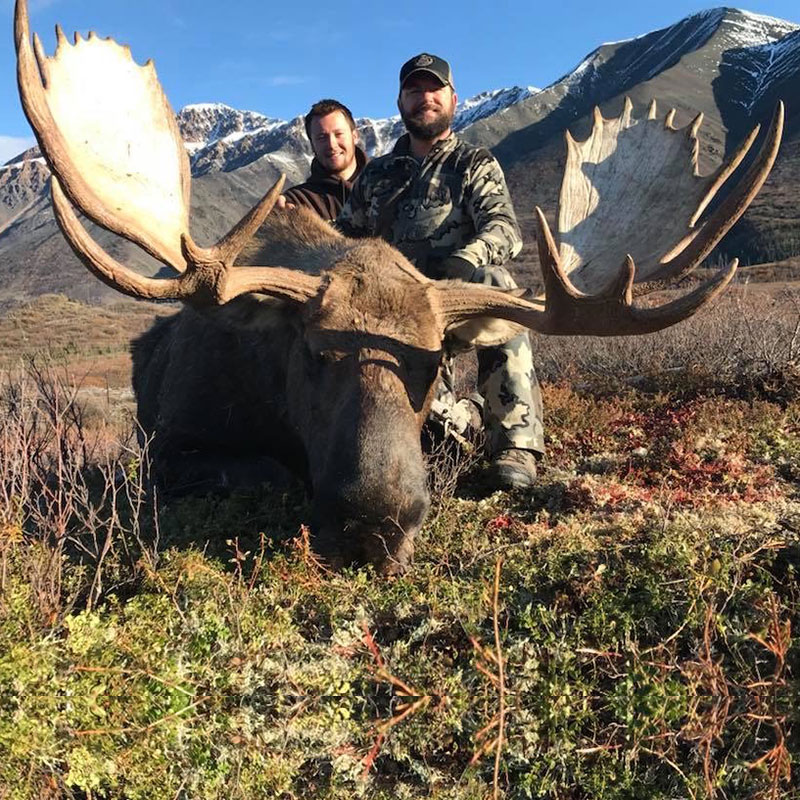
(279, 57)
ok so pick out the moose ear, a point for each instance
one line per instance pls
(484, 331)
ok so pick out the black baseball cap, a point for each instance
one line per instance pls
(425, 62)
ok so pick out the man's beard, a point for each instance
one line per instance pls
(427, 130)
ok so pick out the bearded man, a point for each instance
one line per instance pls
(445, 205)
(337, 162)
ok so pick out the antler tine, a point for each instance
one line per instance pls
(725, 173)
(27, 72)
(622, 286)
(731, 208)
(61, 39)
(691, 131)
(654, 319)
(41, 58)
(100, 263)
(627, 111)
(556, 282)
(228, 248)
(203, 284)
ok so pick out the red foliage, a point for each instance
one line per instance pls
(500, 523)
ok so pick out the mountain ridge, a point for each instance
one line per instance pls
(731, 65)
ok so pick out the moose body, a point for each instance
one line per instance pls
(228, 403)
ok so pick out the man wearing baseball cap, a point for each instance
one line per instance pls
(445, 205)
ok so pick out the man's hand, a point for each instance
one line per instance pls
(283, 203)
(452, 267)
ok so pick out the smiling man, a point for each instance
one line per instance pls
(337, 161)
(445, 205)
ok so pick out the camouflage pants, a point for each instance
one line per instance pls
(509, 392)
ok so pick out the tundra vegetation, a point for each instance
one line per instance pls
(641, 600)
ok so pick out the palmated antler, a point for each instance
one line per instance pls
(630, 201)
(111, 140)
(634, 187)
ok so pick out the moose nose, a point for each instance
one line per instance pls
(366, 524)
(402, 508)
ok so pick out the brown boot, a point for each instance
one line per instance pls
(513, 468)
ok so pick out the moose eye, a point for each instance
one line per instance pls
(420, 375)
(328, 356)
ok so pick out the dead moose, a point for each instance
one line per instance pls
(328, 360)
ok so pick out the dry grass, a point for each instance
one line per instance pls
(748, 344)
(94, 340)
(65, 485)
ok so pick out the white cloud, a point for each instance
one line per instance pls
(11, 146)
(286, 80)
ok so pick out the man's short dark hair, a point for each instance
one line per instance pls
(327, 106)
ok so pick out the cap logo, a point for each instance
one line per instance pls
(423, 61)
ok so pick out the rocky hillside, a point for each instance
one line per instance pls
(729, 64)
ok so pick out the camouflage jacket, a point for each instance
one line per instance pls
(453, 203)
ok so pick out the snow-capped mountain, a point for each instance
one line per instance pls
(716, 31)
(379, 135)
(488, 103)
(730, 64)
(219, 137)
(754, 71)
(202, 124)
(699, 64)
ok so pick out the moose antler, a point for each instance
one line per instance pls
(635, 187)
(111, 140)
(631, 194)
